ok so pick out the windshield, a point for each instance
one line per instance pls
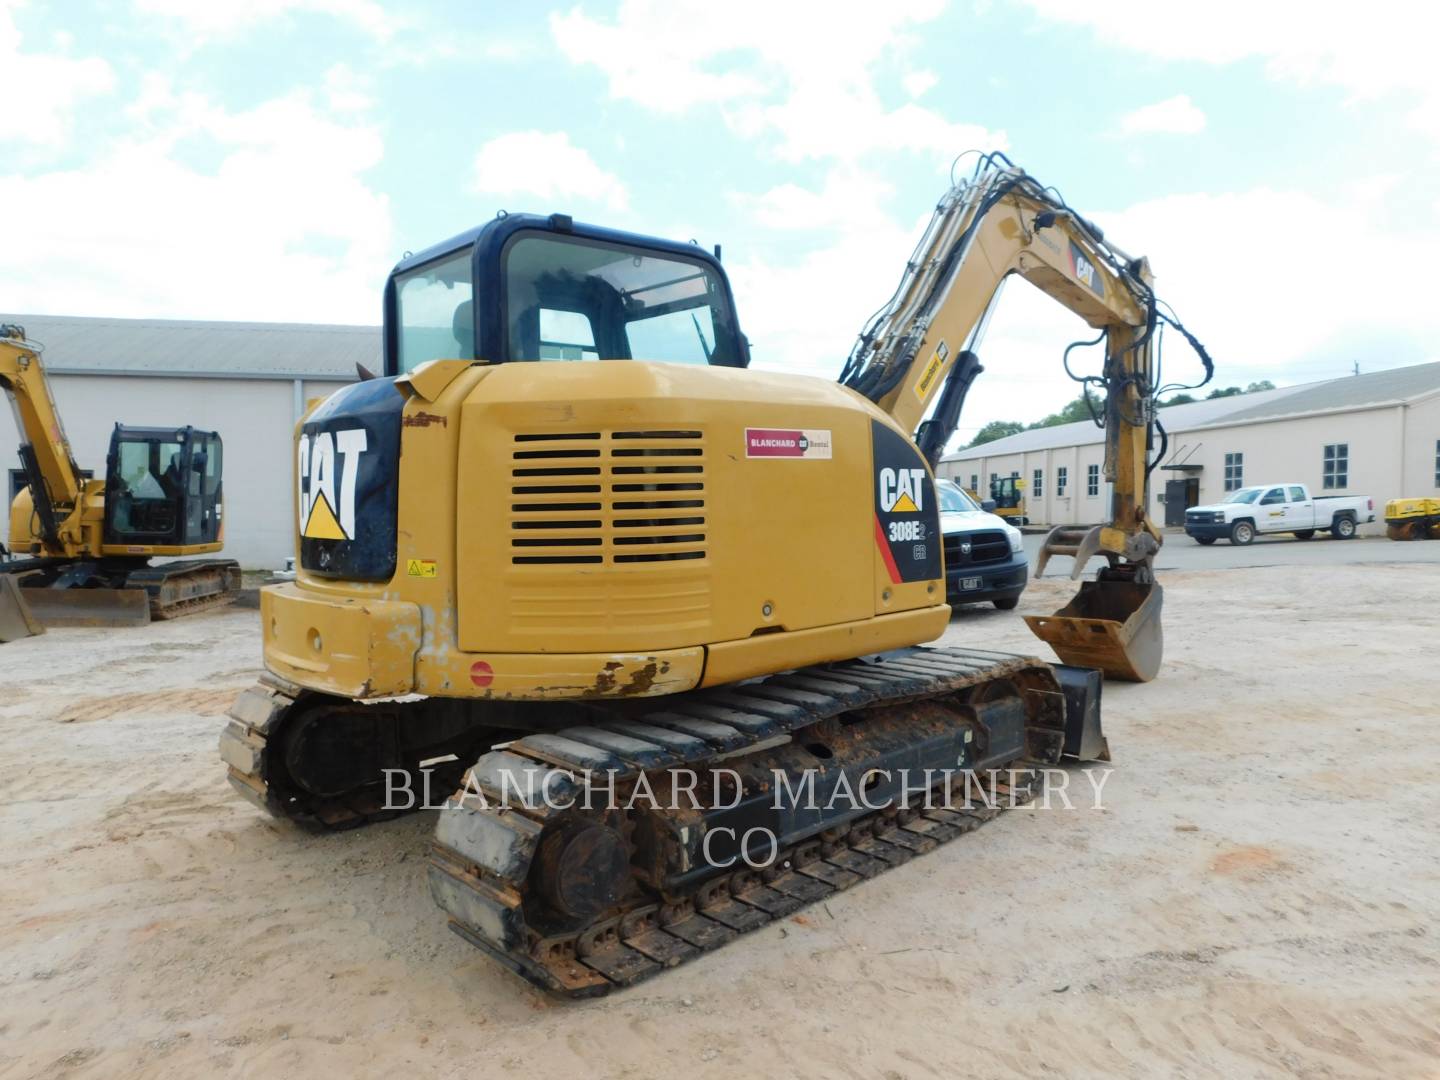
(952, 499)
(573, 299)
(1244, 495)
(436, 314)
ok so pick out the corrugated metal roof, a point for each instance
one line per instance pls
(165, 346)
(1354, 392)
(1174, 417)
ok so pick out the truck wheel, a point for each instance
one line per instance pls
(1304, 534)
(1242, 532)
(1007, 604)
(1205, 540)
(1343, 529)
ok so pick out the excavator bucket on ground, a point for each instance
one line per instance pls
(89, 607)
(1112, 623)
(16, 619)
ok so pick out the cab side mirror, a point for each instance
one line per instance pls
(988, 506)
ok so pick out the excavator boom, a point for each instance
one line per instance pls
(998, 222)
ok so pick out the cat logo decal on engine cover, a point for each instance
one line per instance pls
(907, 514)
(347, 461)
(328, 464)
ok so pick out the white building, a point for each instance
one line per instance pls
(248, 381)
(1375, 434)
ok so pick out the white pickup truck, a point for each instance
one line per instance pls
(1278, 508)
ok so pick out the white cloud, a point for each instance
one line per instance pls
(545, 165)
(1177, 115)
(849, 198)
(800, 73)
(284, 227)
(44, 89)
(347, 90)
(918, 83)
(1371, 50)
(206, 20)
(1293, 311)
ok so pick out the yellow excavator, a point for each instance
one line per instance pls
(569, 554)
(80, 548)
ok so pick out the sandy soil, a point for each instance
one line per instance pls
(1259, 896)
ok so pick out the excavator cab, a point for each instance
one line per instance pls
(1008, 495)
(163, 487)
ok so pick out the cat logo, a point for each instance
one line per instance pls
(1085, 272)
(328, 466)
(902, 491)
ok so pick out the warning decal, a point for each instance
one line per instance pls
(926, 382)
(907, 514)
(420, 567)
(787, 443)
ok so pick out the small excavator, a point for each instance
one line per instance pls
(568, 552)
(80, 548)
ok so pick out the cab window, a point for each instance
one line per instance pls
(1297, 494)
(436, 312)
(568, 298)
(1273, 496)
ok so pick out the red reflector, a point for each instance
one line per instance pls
(481, 673)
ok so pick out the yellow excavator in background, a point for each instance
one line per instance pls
(80, 549)
(560, 583)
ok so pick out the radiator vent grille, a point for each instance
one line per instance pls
(620, 497)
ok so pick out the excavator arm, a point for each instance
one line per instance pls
(999, 222)
(56, 485)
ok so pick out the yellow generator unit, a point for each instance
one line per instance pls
(1412, 519)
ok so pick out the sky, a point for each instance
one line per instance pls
(1278, 163)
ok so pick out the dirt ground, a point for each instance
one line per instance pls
(1259, 895)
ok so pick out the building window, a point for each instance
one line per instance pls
(974, 481)
(993, 478)
(1092, 480)
(1062, 474)
(1337, 465)
(1234, 472)
(1037, 485)
(1437, 463)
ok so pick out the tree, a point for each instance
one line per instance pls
(997, 429)
(1235, 391)
(1178, 399)
(1074, 411)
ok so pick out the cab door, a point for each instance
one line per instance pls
(1300, 511)
(1271, 512)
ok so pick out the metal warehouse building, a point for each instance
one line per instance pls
(1375, 434)
(248, 381)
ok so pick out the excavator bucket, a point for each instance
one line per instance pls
(1110, 625)
(16, 619)
(89, 607)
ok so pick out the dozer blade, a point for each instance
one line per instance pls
(1110, 625)
(16, 619)
(89, 607)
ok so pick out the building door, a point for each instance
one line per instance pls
(1175, 494)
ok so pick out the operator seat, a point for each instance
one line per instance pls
(463, 327)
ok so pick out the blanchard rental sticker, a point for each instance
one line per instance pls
(787, 443)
